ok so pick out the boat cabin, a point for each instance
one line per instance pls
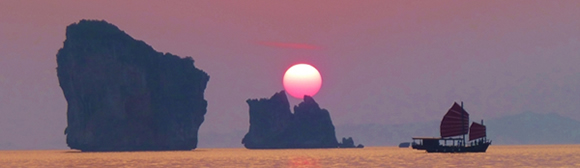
(435, 142)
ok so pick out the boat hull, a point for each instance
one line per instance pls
(454, 149)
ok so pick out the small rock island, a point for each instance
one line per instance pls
(274, 126)
(123, 95)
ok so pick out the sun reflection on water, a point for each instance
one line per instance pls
(303, 162)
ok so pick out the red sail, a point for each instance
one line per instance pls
(476, 131)
(455, 122)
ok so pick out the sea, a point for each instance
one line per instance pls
(496, 156)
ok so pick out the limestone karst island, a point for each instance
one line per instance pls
(124, 96)
(274, 126)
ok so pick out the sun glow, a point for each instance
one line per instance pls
(302, 79)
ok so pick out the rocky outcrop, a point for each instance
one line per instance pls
(273, 126)
(123, 95)
(349, 143)
(404, 144)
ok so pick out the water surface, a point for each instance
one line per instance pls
(496, 156)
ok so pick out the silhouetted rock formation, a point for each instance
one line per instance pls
(273, 126)
(124, 96)
(349, 143)
(404, 144)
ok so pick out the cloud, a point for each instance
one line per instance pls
(289, 45)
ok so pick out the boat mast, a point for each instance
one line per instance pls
(463, 124)
(484, 138)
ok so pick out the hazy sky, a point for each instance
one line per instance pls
(381, 61)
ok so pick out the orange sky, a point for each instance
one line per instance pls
(381, 61)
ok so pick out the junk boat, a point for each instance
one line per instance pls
(454, 127)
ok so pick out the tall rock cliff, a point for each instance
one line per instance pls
(124, 96)
(273, 126)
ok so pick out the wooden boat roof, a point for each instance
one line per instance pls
(436, 138)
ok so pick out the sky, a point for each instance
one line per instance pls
(382, 62)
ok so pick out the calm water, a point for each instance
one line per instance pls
(496, 156)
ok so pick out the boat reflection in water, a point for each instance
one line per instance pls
(454, 127)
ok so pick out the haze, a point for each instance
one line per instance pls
(382, 62)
